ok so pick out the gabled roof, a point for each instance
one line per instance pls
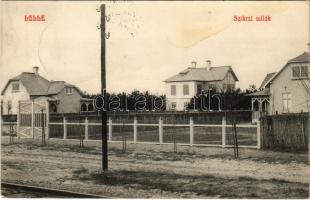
(302, 58)
(305, 57)
(202, 74)
(34, 84)
(267, 79)
(37, 85)
(56, 86)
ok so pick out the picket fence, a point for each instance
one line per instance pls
(86, 124)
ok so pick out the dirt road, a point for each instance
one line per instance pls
(155, 171)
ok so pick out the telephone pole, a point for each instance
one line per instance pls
(103, 91)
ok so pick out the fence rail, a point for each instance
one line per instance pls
(159, 133)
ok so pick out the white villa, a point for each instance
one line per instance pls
(181, 87)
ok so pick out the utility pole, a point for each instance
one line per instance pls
(103, 92)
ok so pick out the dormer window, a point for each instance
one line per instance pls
(68, 90)
(300, 72)
(15, 87)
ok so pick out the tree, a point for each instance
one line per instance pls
(134, 101)
(252, 88)
(229, 100)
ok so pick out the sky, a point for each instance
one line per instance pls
(149, 41)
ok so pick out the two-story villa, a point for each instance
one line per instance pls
(181, 87)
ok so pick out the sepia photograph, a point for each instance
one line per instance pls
(155, 99)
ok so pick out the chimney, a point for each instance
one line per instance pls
(208, 65)
(193, 64)
(35, 70)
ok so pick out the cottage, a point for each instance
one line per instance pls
(61, 96)
(287, 91)
(181, 87)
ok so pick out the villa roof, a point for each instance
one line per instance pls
(302, 58)
(37, 85)
(266, 79)
(202, 74)
(305, 57)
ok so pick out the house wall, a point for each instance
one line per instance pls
(179, 98)
(218, 85)
(68, 103)
(14, 97)
(284, 83)
(229, 79)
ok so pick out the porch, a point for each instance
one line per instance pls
(260, 104)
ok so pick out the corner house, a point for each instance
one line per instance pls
(286, 91)
(30, 86)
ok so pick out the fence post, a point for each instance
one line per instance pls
(18, 119)
(223, 132)
(258, 135)
(191, 131)
(110, 129)
(32, 119)
(65, 128)
(47, 120)
(135, 129)
(86, 128)
(160, 130)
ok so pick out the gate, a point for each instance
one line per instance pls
(32, 116)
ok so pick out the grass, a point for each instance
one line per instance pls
(206, 185)
(160, 152)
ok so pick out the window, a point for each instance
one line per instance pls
(304, 71)
(185, 89)
(83, 107)
(173, 90)
(15, 87)
(68, 90)
(300, 72)
(199, 88)
(87, 107)
(173, 105)
(228, 87)
(90, 107)
(287, 102)
(212, 86)
(224, 87)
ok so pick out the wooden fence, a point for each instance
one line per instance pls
(287, 132)
(8, 125)
(158, 133)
